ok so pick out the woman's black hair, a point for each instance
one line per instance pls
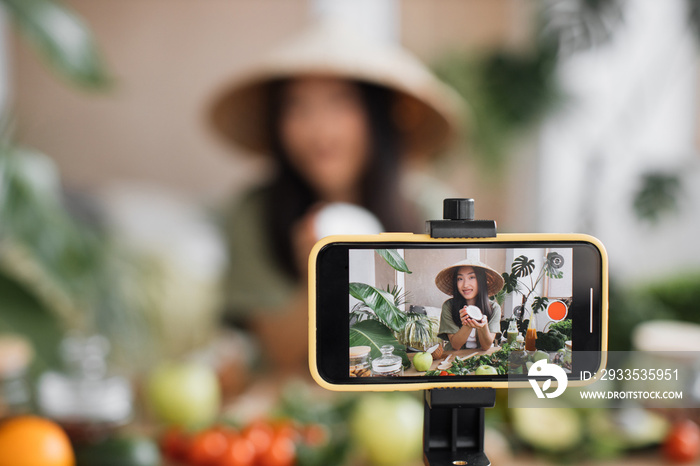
(290, 196)
(482, 297)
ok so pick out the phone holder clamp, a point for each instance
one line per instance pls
(458, 222)
(453, 429)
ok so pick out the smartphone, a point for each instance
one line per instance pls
(399, 311)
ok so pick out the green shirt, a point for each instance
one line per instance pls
(449, 327)
(254, 278)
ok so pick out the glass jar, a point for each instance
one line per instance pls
(359, 361)
(87, 401)
(15, 395)
(388, 364)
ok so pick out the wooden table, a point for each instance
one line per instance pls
(468, 353)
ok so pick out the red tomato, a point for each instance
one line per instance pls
(282, 452)
(174, 443)
(316, 435)
(287, 428)
(444, 373)
(260, 434)
(682, 444)
(207, 447)
(240, 452)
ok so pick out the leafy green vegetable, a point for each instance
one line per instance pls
(550, 341)
(499, 360)
(563, 327)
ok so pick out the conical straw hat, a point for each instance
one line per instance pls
(494, 280)
(426, 111)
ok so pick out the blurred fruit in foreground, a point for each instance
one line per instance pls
(34, 441)
(260, 443)
(389, 428)
(208, 447)
(682, 444)
(185, 394)
(552, 430)
(174, 443)
(119, 451)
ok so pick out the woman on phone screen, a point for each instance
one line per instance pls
(470, 283)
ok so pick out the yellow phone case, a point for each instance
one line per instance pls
(414, 238)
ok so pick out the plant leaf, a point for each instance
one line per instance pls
(374, 334)
(400, 296)
(510, 282)
(522, 266)
(381, 303)
(539, 303)
(361, 314)
(61, 38)
(420, 331)
(394, 259)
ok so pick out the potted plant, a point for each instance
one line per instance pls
(376, 319)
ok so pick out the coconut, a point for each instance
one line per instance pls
(474, 312)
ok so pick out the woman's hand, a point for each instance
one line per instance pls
(469, 322)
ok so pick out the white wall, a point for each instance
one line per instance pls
(631, 108)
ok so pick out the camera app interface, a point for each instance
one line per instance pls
(458, 312)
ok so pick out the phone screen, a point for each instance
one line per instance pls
(391, 313)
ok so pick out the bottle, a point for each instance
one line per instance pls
(15, 393)
(567, 353)
(519, 342)
(512, 332)
(531, 335)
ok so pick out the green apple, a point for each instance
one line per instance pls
(486, 370)
(388, 428)
(539, 355)
(422, 361)
(183, 393)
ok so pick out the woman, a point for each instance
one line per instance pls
(470, 283)
(337, 115)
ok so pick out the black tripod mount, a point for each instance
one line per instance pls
(453, 429)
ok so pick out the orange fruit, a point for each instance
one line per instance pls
(33, 441)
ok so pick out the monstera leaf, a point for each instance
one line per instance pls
(381, 303)
(394, 259)
(374, 334)
(510, 283)
(539, 303)
(522, 266)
